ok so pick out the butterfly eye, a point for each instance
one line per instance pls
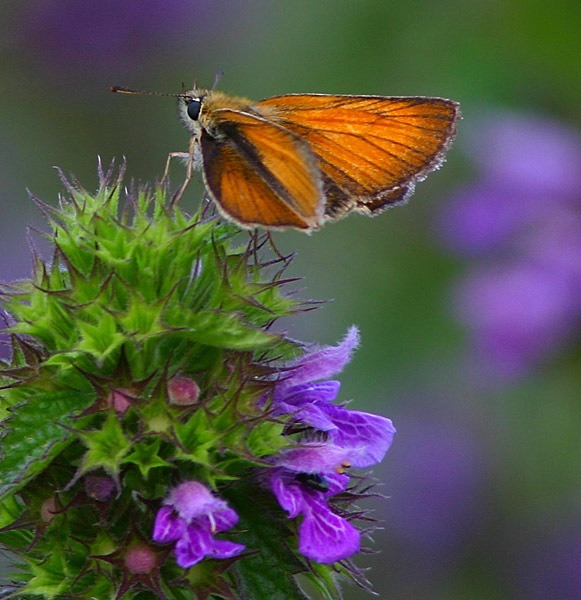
(194, 108)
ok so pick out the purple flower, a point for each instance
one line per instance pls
(367, 437)
(323, 536)
(191, 516)
(306, 475)
(523, 217)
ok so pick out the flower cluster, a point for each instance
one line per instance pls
(303, 477)
(522, 219)
(157, 434)
(312, 472)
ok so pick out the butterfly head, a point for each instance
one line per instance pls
(191, 108)
(190, 104)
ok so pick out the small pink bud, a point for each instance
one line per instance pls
(48, 509)
(183, 391)
(120, 400)
(99, 487)
(140, 559)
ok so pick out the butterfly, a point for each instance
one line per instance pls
(301, 160)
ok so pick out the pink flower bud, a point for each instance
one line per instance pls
(120, 400)
(183, 391)
(48, 509)
(99, 487)
(140, 559)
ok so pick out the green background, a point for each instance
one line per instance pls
(480, 478)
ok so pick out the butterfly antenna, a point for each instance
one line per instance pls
(217, 78)
(125, 90)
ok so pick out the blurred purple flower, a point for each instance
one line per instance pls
(533, 153)
(517, 313)
(191, 516)
(435, 510)
(94, 35)
(523, 218)
(482, 216)
(548, 557)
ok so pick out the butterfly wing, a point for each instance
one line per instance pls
(260, 173)
(371, 149)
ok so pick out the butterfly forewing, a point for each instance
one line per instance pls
(371, 149)
(261, 173)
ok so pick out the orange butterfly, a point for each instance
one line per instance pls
(301, 160)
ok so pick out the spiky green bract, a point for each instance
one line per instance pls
(136, 295)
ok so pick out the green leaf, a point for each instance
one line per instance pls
(268, 575)
(196, 437)
(50, 578)
(142, 319)
(34, 435)
(100, 338)
(217, 328)
(266, 438)
(10, 510)
(146, 457)
(106, 447)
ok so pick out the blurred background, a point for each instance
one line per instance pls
(468, 298)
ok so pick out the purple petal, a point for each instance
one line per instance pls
(338, 483)
(307, 393)
(192, 499)
(326, 537)
(315, 458)
(290, 497)
(225, 519)
(368, 436)
(193, 546)
(198, 542)
(312, 415)
(225, 549)
(314, 397)
(316, 417)
(324, 363)
(167, 527)
(323, 536)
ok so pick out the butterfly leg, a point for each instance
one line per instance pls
(182, 155)
(189, 158)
